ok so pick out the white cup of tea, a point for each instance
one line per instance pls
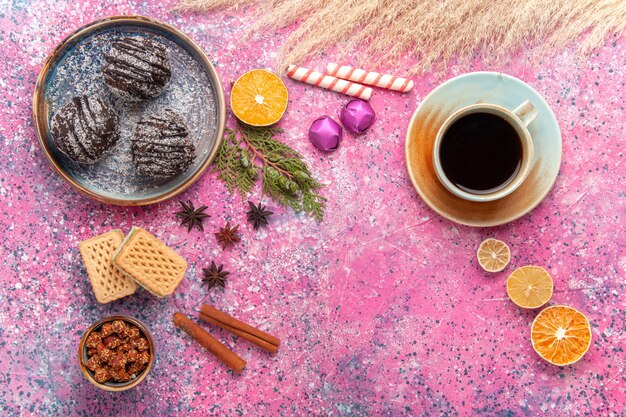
(484, 152)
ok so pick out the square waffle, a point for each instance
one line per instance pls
(150, 262)
(108, 282)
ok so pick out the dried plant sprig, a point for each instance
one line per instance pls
(249, 153)
(433, 32)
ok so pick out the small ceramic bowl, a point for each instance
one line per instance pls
(114, 386)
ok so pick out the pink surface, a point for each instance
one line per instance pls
(382, 308)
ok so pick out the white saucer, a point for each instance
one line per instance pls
(482, 87)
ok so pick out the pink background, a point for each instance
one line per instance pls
(382, 308)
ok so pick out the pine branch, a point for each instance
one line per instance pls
(234, 166)
(249, 151)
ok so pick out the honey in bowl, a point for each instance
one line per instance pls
(116, 353)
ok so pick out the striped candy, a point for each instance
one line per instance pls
(329, 82)
(370, 78)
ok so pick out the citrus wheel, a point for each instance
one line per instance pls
(530, 286)
(561, 335)
(259, 98)
(493, 255)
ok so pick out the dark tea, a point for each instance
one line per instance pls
(481, 153)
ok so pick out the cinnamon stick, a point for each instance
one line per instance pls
(226, 322)
(208, 342)
(251, 338)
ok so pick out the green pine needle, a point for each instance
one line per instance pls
(249, 153)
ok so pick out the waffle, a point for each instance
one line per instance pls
(108, 282)
(150, 262)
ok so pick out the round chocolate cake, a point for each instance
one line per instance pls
(137, 68)
(85, 128)
(161, 145)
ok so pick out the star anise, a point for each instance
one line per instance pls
(215, 276)
(227, 236)
(191, 216)
(257, 215)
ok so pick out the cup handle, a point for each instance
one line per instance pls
(526, 112)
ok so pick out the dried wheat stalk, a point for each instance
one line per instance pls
(432, 31)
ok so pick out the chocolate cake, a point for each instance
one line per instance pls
(161, 145)
(85, 128)
(137, 68)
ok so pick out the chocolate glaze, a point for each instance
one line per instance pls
(137, 68)
(161, 145)
(85, 128)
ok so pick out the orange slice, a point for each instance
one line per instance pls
(493, 255)
(259, 98)
(530, 286)
(561, 335)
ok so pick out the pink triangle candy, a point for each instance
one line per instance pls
(325, 134)
(357, 116)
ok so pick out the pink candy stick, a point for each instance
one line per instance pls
(370, 78)
(329, 82)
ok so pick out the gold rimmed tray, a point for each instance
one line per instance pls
(194, 91)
